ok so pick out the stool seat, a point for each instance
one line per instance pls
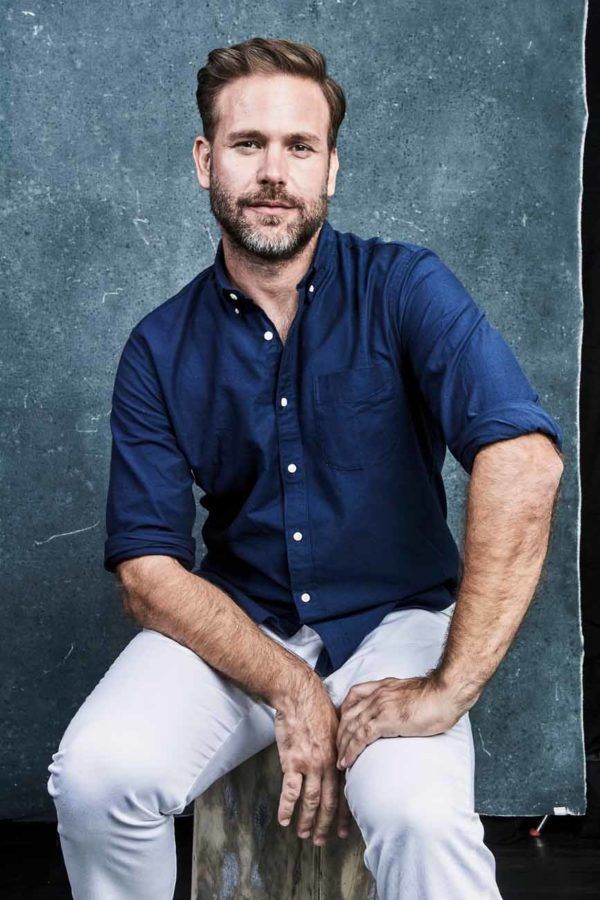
(241, 852)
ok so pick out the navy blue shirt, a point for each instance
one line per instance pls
(320, 457)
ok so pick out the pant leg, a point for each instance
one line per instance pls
(157, 730)
(413, 797)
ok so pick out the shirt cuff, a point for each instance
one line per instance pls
(510, 420)
(126, 546)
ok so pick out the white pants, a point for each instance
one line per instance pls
(162, 725)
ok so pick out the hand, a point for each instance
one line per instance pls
(392, 707)
(306, 725)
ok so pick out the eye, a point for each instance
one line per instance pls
(304, 147)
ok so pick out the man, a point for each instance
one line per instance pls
(309, 382)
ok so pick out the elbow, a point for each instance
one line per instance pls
(551, 465)
(543, 484)
(559, 465)
(532, 464)
(131, 576)
(137, 579)
(128, 585)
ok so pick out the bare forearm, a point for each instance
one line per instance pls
(161, 594)
(512, 496)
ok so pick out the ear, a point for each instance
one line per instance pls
(201, 152)
(334, 165)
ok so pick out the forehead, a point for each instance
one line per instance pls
(273, 103)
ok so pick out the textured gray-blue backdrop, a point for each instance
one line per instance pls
(464, 133)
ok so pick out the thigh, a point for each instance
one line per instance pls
(405, 643)
(163, 721)
(433, 774)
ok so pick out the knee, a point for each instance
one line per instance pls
(91, 778)
(428, 821)
(85, 774)
(395, 814)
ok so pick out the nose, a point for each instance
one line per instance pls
(273, 167)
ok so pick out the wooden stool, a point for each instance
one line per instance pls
(241, 852)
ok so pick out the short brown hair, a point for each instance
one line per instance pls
(266, 56)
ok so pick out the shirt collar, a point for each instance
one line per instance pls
(322, 262)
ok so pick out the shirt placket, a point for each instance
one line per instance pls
(291, 456)
(292, 469)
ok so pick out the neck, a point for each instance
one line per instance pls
(267, 281)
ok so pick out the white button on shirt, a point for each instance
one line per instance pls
(283, 401)
(305, 597)
(292, 467)
(297, 535)
(268, 335)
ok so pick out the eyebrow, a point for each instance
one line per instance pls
(255, 133)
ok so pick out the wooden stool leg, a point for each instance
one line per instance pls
(241, 852)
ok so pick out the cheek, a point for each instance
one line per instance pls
(238, 175)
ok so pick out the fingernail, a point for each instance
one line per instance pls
(343, 761)
(285, 821)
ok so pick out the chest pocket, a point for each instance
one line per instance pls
(356, 416)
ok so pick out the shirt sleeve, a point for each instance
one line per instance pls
(150, 507)
(468, 374)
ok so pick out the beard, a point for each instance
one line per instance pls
(270, 236)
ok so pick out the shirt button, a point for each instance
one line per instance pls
(268, 335)
(311, 288)
(283, 401)
(297, 535)
(292, 467)
(236, 309)
(305, 597)
(233, 296)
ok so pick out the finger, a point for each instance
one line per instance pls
(366, 732)
(358, 709)
(327, 806)
(290, 791)
(309, 803)
(344, 814)
(345, 741)
(358, 691)
(347, 720)
(364, 710)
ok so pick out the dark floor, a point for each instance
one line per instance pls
(563, 862)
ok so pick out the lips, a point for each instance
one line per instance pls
(271, 205)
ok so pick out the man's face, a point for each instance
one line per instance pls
(270, 146)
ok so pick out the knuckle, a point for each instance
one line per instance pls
(290, 791)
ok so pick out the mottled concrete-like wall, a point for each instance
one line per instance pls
(464, 133)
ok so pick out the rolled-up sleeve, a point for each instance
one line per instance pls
(150, 506)
(467, 373)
